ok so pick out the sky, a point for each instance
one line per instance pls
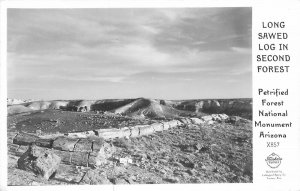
(176, 53)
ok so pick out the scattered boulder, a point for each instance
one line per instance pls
(119, 181)
(171, 179)
(95, 176)
(191, 147)
(69, 173)
(198, 146)
(188, 164)
(191, 172)
(140, 156)
(40, 160)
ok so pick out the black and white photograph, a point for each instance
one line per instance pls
(129, 96)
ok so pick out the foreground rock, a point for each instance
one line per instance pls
(40, 160)
(95, 177)
(100, 157)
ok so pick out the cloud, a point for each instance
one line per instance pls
(126, 45)
(241, 50)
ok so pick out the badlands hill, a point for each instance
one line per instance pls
(16, 101)
(141, 107)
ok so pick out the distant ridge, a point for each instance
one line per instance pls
(141, 107)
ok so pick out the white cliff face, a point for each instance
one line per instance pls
(223, 105)
(16, 101)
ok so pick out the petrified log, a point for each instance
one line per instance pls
(83, 145)
(145, 130)
(157, 126)
(134, 132)
(65, 156)
(73, 158)
(166, 125)
(79, 158)
(126, 132)
(21, 150)
(44, 142)
(197, 121)
(40, 160)
(113, 133)
(84, 134)
(25, 139)
(64, 143)
(173, 123)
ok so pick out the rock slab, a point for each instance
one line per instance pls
(100, 157)
(64, 143)
(25, 139)
(39, 160)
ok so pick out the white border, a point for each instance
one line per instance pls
(3, 96)
(125, 4)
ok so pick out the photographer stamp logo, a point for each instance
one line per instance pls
(273, 160)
